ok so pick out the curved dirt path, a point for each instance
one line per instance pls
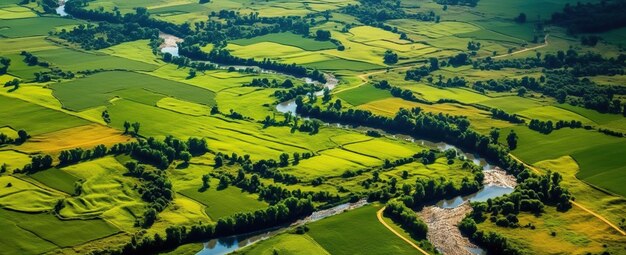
(379, 215)
(573, 202)
(545, 43)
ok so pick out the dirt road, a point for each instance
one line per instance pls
(379, 214)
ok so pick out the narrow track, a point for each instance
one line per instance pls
(379, 215)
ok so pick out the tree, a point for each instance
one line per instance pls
(511, 140)
(23, 136)
(327, 96)
(192, 73)
(185, 156)
(322, 35)
(296, 158)
(126, 127)
(284, 159)
(390, 57)
(494, 134)
(521, 92)
(206, 181)
(219, 161)
(521, 18)
(136, 127)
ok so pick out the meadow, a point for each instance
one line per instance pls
(99, 88)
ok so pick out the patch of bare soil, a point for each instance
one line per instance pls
(499, 177)
(169, 40)
(443, 231)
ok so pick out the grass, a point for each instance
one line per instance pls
(136, 50)
(226, 202)
(24, 196)
(384, 148)
(33, 118)
(307, 44)
(98, 89)
(357, 232)
(285, 244)
(569, 237)
(16, 12)
(63, 233)
(17, 45)
(74, 60)
(13, 159)
(86, 137)
(363, 94)
(534, 146)
(611, 207)
(603, 165)
(16, 240)
(105, 189)
(37, 26)
(56, 179)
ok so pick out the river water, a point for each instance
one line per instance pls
(61, 9)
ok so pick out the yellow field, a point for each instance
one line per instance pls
(16, 12)
(85, 137)
(13, 159)
(23, 196)
(184, 107)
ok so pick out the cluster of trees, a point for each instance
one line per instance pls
(471, 3)
(266, 83)
(286, 95)
(104, 34)
(547, 127)
(322, 35)
(405, 94)
(22, 136)
(37, 163)
(162, 153)
(155, 189)
(611, 132)
(451, 129)
(505, 85)
(418, 73)
(223, 56)
(473, 46)
(502, 115)
(450, 82)
(49, 6)
(4, 64)
(376, 12)
(407, 219)
(589, 40)
(490, 241)
(591, 17)
(72, 156)
(587, 64)
(141, 17)
(390, 57)
(53, 73)
(33, 60)
(459, 60)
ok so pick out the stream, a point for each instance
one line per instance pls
(225, 245)
(61, 9)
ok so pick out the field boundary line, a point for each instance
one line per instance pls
(379, 215)
(545, 43)
(600, 217)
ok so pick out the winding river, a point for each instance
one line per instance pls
(441, 218)
(61, 9)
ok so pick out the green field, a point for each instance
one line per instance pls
(363, 94)
(99, 88)
(36, 26)
(226, 202)
(357, 232)
(33, 118)
(57, 179)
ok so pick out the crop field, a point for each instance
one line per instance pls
(212, 142)
(37, 26)
(224, 202)
(363, 94)
(356, 232)
(99, 88)
(79, 61)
